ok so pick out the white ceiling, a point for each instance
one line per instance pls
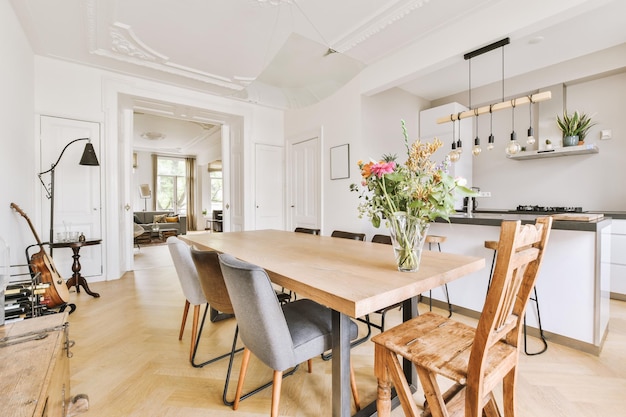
(226, 47)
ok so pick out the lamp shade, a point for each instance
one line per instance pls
(89, 156)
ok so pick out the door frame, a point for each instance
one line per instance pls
(118, 96)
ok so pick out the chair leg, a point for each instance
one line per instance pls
(199, 335)
(278, 380)
(242, 376)
(310, 365)
(355, 392)
(194, 330)
(182, 325)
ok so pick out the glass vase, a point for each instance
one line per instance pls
(407, 237)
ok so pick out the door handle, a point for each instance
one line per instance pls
(127, 207)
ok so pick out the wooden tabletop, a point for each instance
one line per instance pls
(352, 277)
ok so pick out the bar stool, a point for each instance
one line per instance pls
(493, 245)
(432, 239)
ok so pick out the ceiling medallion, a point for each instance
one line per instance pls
(153, 135)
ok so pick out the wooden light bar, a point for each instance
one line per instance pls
(535, 98)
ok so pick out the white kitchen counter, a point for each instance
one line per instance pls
(573, 285)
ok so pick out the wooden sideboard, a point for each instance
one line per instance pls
(34, 367)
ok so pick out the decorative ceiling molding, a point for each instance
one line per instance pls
(383, 19)
(126, 46)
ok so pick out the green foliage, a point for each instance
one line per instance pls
(419, 188)
(577, 124)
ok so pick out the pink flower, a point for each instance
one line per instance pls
(383, 168)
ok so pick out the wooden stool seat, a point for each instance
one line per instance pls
(477, 360)
(491, 244)
(430, 239)
(435, 239)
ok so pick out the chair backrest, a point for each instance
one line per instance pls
(186, 270)
(262, 324)
(520, 252)
(307, 230)
(386, 239)
(211, 280)
(348, 235)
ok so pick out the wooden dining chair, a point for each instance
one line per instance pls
(188, 278)
(477, 359)
(281, 335)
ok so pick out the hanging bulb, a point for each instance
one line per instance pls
(531, 139)
(454, 154)
(459, 146)
(491, 145)
(476, 150)
(513, 147)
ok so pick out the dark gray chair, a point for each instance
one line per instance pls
(307, 230)
(348, 235)
(281, 336)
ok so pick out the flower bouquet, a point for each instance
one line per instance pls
(408, 197)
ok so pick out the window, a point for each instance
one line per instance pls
(216, 190)
(171, 190)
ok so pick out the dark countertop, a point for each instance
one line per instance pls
(495, 218)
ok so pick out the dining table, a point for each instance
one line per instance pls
(352, 278)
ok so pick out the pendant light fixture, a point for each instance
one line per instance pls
(454, 154)
(531, 138)
(491, 144)
(459, 144)
(513, 147)
(476, 150)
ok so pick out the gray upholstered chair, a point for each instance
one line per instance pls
(216, 294)
(281, 336)
(188, 277)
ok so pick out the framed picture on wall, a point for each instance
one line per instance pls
(340, 162)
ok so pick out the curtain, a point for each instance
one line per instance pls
(190, 166)
(155, 171)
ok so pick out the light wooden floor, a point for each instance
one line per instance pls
(129, 361)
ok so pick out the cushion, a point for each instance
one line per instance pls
(136, 219)
(171, 219)
(159, 218)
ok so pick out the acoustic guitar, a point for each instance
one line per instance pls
(57, 293)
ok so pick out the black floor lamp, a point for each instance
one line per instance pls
(88, 158)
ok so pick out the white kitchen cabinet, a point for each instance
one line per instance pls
(618, 259)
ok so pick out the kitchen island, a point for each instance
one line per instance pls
(573, 285)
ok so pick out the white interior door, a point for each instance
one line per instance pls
(77, 190)
(304, 180)
(269, 187)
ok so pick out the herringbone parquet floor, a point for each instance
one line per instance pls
(128, 359)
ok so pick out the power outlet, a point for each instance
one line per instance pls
(484, 194)
(606, 134)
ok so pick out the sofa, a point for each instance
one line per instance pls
(165, 219)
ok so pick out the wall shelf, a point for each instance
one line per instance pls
(566, 151)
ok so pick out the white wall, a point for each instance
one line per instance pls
(592, 84)
(69, 90)
(371, 126)
(18, 158)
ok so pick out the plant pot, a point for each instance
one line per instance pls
(570, 141)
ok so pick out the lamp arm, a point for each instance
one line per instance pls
(60, 156)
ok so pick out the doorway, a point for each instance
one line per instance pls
(230, 137)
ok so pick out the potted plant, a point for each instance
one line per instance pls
(574, 127)
(548, 144)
